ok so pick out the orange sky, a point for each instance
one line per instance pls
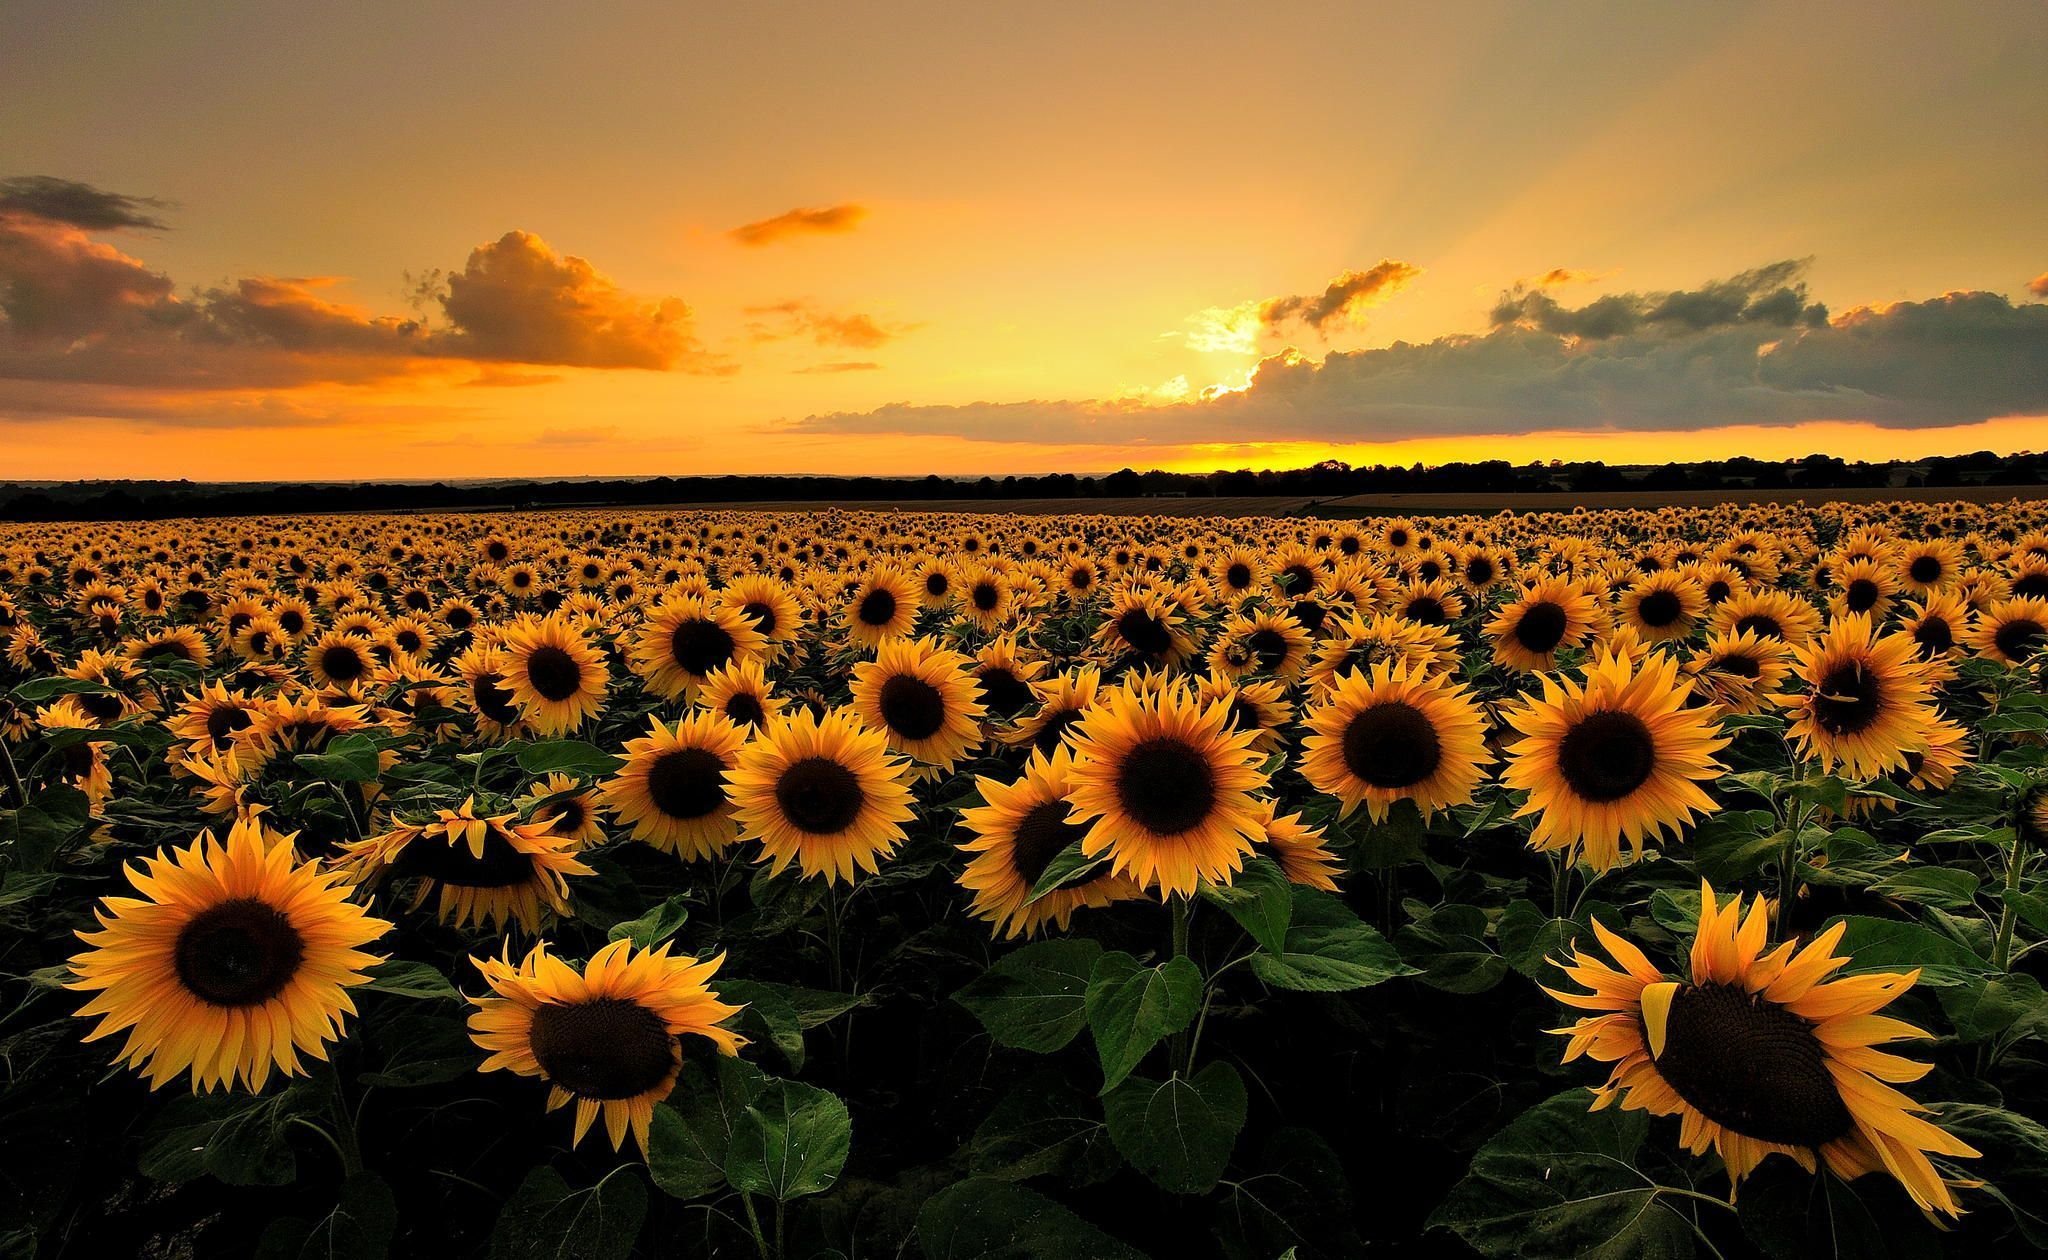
(404, 240)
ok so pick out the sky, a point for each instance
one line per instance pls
(255, 241)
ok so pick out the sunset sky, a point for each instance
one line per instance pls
(424, 240)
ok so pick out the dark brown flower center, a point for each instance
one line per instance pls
(986, 596)
(1541, 627)
(820, 796)
(1166, 786)
(686, 782)
(2018, 637)
(1428, 610)
(238, 953)
(1751, 1066)
(700, 645)
(1935, 637)
(744, 707)
(607, 1048)
(342, 663)
(1607, 755)
(1055, 729)
(1002, 692)
(554, 673)
(1042, 835)
(877, 607)
(1763, 625)
(1238, 576)
(1270, 646)
(493, 701)
(1144, 632)
(223, 722)
(912, 707)
(1924, 569)
(1861, 595)
(446, 861)
(1745, 666)
(1660, 608)
(1392, 745)
(1848, 699)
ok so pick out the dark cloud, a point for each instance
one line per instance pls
(1770, 295)
(77, 309)
(799, 222)
(1733, 352)
(1342, 301)
(80, 205)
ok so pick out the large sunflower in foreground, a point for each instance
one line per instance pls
(823, 793)
(1867, 703)
(556, 678)
(1167, 787)
(672, 791)
(922, 697)
(605, 1038)
(1021, 829)
(236, 959)
(1616, 759)
(1395, 734)
(1760, 1053)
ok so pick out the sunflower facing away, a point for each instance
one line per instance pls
(823, 793)
(1395, 734)
(1760, 1053)
(1167, 787)
(605, 1038)
(1616, 759)
(489, 870)
(1021, 829)
(672, 791)
(234, 960)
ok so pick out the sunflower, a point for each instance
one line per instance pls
(1741, 672)
(1771, 613)
(1019, 831)
(822, 793)
(987, 599)
(1301, 852)
(1360, 643)
(482, 668)
(1431, 602)
(1394, 734)
(1004, 680)
(672, 789)
(174, 643)
(1167, 787)
(1867, 703)
(1864, 585)
(684, 640)
(2011, 631)
(1760, 1053)
(1260, 707)
(1142, 628)
(768, 605)
(488, 870)
(233, 960)
(741, 692)
(340, 660)
(882, 606)
(605, 1038)
(1616, 759)
(568, 807)
(1663, 606)
(1554, 615)
(211, 719)
(1939, 625)
(923, 698)
(1063, 700)
(556, 678)
(1240, 574)
(1269, 643)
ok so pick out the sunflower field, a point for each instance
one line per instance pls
(598, 884)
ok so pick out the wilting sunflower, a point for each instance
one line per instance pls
(605, 1038)
(1395, 734)
(82, 764)
(1167, 788)
(1616, 759)
(234, 960)
(2011, 631)
(1551, 616)
(823, 793)
(556, 678)
(1867, 703)
(1021, 829)
(882, 607)
(923, 698)
(175, 643)
(568, 808)
(489, 870)
(1760, 1053)
(672, 789)
(685, 640)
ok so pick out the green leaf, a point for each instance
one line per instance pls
(347, 759)
(1941, 886)
(361, 1225)
(792, 1141)
(241, 1140)
(568, 756)
(1261, 900)
(1735, 844)
(1132, 1008)
(1983, 1007)
(767, 1016)
(1561, 1183)
(1791, 1214)
(656, 926)
(692, 1131)
(982, 1219)
(44, 690)
(2031, 907)
(401, 978)
(54, 821)
(1179, 1132)
(1036, 997)
(1069, 866)
(1042, 1127)
(1449, 944)
(1389, 843)
(2014, 1166)
(1676, 910)
(1329, 949)
(546, 1220)
(1529, 938)
(1892, 945)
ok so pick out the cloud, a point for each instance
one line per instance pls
(1747, 350)
(823, 369)
(79, 205)
(799, 222)
(1342, 303)
(80, 310)
(2038, 286)
(797, 318)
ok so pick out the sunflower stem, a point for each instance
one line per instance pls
(14, 777)
(1178, 1052)
(1560, 883)
(754, 1224)
(2015, 859)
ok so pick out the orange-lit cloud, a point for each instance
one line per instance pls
(827, 369)
(800, 222)
(2038, 286)
(1342, 304)
(796, 318)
